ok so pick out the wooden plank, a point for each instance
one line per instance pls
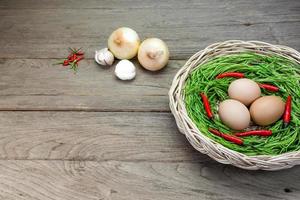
(73, 180)
(186, 26)
(35, 84)
(268, 5)
(93, 136)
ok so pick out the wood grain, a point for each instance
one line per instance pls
(35, 84)
(269, 5)
(93, 136)
(45, 29)
(113, 180)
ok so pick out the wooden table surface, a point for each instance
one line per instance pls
(81, 136)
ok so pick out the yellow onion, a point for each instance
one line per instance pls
(124, 43)
(153, 54)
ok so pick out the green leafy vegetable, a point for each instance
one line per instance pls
(269, 69)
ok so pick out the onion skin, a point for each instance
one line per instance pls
(153, 54)
(124, 43)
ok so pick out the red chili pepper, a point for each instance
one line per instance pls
(271, 88)
(66, 62)
(206, 105)
(72, 57)
(287, 112)
(230, 138)
(231, 74)
(79, 53)
(78, 59)
(255, 132)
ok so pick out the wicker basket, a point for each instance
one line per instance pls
(206, 145)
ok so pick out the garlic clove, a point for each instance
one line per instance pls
(125, 70)
(104, 57)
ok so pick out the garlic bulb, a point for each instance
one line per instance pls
(124, 43)
(153, 54)
(125, 70)
(104, 57)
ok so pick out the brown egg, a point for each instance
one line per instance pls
(234, 114)
(267, 110)
(244, 90)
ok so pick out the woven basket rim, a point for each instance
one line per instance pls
(205, 144)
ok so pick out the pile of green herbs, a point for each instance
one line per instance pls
(270, 69)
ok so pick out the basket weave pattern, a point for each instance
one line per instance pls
(208, 146)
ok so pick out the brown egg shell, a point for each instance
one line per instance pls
(266, 110)
(234, 114)
(244, 90)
